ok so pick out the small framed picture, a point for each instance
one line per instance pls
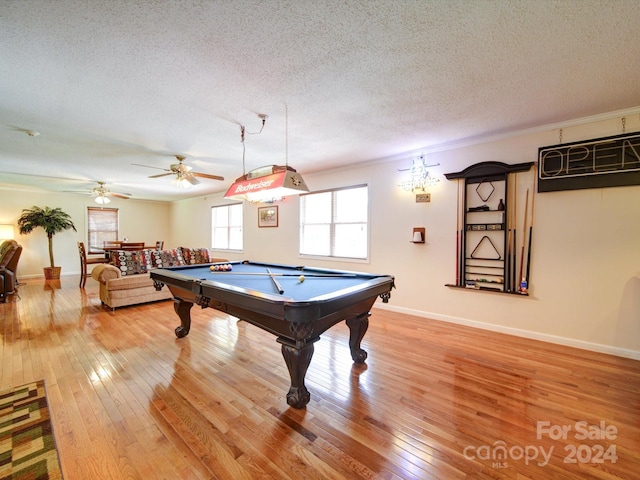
(268, 216)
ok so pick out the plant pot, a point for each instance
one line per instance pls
(52, 273)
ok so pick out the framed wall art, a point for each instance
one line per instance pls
(268, 216)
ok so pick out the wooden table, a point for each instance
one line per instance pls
(125, 247)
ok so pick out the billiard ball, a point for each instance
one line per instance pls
(212, 268)
(301, 278)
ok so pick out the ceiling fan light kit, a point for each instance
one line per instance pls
(181, 181)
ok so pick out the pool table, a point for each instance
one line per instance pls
(306, 307)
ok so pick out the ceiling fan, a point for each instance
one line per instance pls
(184, 173)
(102, 194)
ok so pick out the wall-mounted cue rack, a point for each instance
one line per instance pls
(490, 235)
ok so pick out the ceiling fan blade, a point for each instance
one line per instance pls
(149, 166)
(206, 175)
(124, 196)
(161, 175)
(191, 179)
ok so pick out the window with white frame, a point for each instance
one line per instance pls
(102, 227)
(226, 227)
(335, 223)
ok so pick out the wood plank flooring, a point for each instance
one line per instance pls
(434, 401)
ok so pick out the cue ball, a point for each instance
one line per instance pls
(301, 278)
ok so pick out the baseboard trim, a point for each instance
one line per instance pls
(41, 275)
(569, 342)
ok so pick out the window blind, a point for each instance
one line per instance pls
(334, 223)
(102, 227)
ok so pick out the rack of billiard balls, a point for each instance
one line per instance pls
(225, 267)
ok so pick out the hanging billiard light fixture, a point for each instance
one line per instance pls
(270, 183)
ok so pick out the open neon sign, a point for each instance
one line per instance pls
(603, 162)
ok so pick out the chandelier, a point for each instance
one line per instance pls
(419, 176)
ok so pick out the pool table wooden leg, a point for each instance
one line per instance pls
(297, 360)
(358, 327)
(183, 309)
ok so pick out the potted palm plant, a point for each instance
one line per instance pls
(52, 220)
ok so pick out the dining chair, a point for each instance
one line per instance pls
(85, 261)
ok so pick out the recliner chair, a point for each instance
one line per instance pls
(10, 252)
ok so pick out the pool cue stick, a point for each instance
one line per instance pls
(514, 221)
(463, 233)
(524, 237)
(513, 232)
(533, 199)
(458, 233)
(275, 282)
(507, 226)
(463, 236)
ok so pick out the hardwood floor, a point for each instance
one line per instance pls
(131, 401)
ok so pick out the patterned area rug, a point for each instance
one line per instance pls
(27, 447)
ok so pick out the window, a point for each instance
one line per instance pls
(334, 223)
(226, 227)
(102, 227)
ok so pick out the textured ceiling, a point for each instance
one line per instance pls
(111, 83)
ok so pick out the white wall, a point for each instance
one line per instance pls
(138, 220)
(585, 271)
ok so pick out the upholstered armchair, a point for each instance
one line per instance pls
(10, 252)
